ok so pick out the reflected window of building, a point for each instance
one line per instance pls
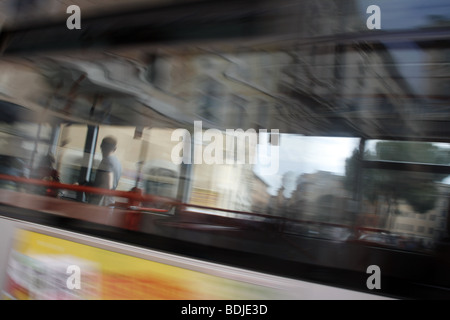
(263, 114)
(210, 99)
(237, 113)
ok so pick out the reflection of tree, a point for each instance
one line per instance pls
(418, 189)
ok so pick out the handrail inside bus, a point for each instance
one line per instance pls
(132, 195)
(136, 198)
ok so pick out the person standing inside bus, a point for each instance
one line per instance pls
(108, 172)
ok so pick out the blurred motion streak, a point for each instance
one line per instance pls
(357, 119)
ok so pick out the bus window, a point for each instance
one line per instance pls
(405, 187)
(296, 134)
(28, 151)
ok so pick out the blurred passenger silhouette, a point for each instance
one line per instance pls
(108, 172)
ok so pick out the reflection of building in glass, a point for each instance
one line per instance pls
(428, 226)
(260, 195)
(319, 196)
(228, 186)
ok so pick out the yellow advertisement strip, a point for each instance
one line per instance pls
(45, 267)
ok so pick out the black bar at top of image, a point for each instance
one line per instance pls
(183, 22)
(216, 19)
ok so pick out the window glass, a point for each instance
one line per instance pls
(408, 151)
(300, 177)
(404, 204)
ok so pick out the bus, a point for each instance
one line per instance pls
(289, 150)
